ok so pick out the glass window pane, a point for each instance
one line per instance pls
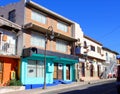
(61, 45)
(31, 68)
(37, 16)
(62, 26)
(40, 69)
(37, 40)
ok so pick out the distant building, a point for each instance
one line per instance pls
(110, 61)
(91, 58)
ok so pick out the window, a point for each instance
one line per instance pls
(61, 45)
(92, 48)
(107, 58)
(62, 26)
(37, 39)
(85, 44)
(12, 16)
(39, 17)
(99, 50)
(35, 68)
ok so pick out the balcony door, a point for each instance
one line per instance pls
(1, 71)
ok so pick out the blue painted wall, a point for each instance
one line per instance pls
(49, 71)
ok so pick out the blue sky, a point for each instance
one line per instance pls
(99, 19)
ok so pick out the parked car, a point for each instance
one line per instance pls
(109, 75)
(118, 79)
(112, 74)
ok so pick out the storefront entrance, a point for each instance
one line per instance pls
(68, 72)
(58, 71)
(1, 72)
(98, 70)
(91, 70)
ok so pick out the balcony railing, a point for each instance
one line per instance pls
(7, 48)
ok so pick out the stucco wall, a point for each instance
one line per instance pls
(19, 7)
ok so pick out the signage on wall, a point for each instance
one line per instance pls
(60, 66)
(81, 60)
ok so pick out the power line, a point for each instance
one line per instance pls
(113, 31)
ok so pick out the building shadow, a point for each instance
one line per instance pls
(97, 89)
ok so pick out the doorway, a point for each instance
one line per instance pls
(91, 70)
(68, 72)
(1, 71)
(98, 70)
(58, 71)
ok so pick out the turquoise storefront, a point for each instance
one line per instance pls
(58, 67)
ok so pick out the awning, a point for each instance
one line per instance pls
(55, 58)
(65, 60)
(42, 56)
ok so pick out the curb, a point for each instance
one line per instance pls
(58, 87)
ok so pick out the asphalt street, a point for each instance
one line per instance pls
(107, 87)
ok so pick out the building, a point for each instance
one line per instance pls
(110, 62)
(46, 36)
(9, 61)
(91, 57)
(118, 60)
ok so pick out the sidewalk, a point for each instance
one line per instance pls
(60, 86)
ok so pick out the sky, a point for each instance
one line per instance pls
(99, 19)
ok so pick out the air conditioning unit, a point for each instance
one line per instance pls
(29, 51)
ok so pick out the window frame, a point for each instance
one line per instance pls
(99, 50)
(36, 67)
(60, 26)
(41, 39)
(61, 43)
(39, 14)
(92, 48)
(12, 15)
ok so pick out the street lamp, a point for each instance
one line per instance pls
(51, 36)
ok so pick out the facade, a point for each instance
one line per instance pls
(48, 37)
(118, 60)
(91, 58)
(38, 24)
(111, 62)
(9, 61)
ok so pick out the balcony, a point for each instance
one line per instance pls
(7, 48)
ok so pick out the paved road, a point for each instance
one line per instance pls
(107, 87)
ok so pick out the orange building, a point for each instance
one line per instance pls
(7, 65)
(9, 61)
